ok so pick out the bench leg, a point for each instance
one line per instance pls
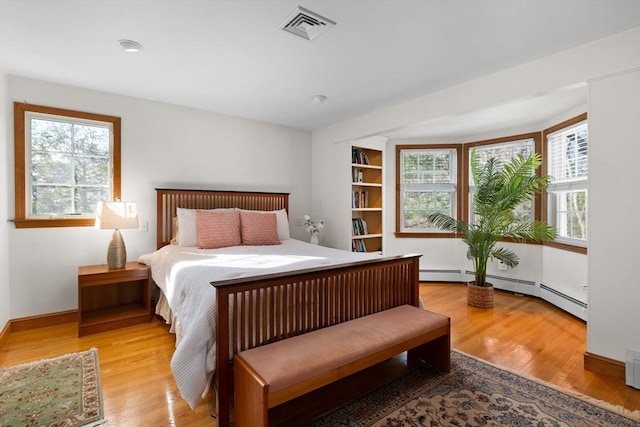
(437, 352)
(251, 407)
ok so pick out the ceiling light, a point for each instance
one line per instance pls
(319, 98)
(130, 45)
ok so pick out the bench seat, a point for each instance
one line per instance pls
(269, 375)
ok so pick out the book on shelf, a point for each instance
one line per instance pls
(359, 227)
(356, 175)
(360, 199)
(359, 156)
(357, 245)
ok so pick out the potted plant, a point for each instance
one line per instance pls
(499, 189)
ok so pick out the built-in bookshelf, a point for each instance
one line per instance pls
(366, 200)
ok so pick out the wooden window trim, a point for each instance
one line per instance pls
(545, 196)
(19, 111)
(459, 197)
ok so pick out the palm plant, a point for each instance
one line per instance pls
(498, 191)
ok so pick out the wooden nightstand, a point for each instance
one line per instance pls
(110, 299)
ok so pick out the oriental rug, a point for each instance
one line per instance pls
(475, 393)
(64, 391)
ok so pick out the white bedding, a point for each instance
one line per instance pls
(184, 275)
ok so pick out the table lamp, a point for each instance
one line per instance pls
(115, 216)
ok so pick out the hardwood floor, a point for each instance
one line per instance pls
(523, 334)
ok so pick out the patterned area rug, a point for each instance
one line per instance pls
(64, 391)
(474, 394)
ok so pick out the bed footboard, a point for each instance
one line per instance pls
(260, 310)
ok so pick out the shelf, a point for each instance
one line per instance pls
(358, 165)
(112, 314)
(366, 209)
(366, 184)
(367, 236)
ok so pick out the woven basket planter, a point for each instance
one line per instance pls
(480, 296)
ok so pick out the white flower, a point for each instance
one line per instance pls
(313, 227)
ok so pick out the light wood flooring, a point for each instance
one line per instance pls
(523, 334)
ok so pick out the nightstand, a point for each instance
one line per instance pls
(110, 299)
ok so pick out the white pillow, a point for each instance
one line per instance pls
(282, 222)
(187, 230)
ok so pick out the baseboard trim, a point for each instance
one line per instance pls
(605, 366)
(4, 334)
(40, 321)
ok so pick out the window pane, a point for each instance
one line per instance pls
(417, 206)
(92, 171)
(51, 168)
(87, 198)
(92, 140)
(50, 200)
(571, 214)
(49, 135)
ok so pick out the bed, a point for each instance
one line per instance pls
(225, 300)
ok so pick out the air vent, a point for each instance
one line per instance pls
(306, 24)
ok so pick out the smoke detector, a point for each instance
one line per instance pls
(306, 24)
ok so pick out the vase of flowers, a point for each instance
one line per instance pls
(314, 228)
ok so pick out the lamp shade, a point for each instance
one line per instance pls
(117, 215)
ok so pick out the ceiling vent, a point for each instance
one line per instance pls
(306, 24)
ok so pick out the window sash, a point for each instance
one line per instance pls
(567, 154)
(568, 214)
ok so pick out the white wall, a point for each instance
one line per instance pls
(614, 205)
(162, 146)
(4, 225)
(560, 269)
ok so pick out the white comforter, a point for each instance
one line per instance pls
(184, 274)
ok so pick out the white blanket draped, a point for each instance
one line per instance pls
(184, 275)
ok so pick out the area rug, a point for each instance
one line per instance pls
(64, 391)
(475, 393)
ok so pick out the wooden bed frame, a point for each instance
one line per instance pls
(259, 310)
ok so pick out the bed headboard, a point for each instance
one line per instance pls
(169, 200)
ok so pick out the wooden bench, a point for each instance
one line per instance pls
(270, 375)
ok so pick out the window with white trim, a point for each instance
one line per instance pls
(567, 166)
(504, 152)
(428, 184)
(66, 162)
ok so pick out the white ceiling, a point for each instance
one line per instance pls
(229, 57)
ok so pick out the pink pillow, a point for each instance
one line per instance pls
(259, 228)
(217, 229)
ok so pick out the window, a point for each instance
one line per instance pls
(567, 165)
(65, 163)
(428, 177)
(504, 150)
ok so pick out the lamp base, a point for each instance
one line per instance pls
(117, 253)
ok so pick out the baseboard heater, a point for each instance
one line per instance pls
(632, 368)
